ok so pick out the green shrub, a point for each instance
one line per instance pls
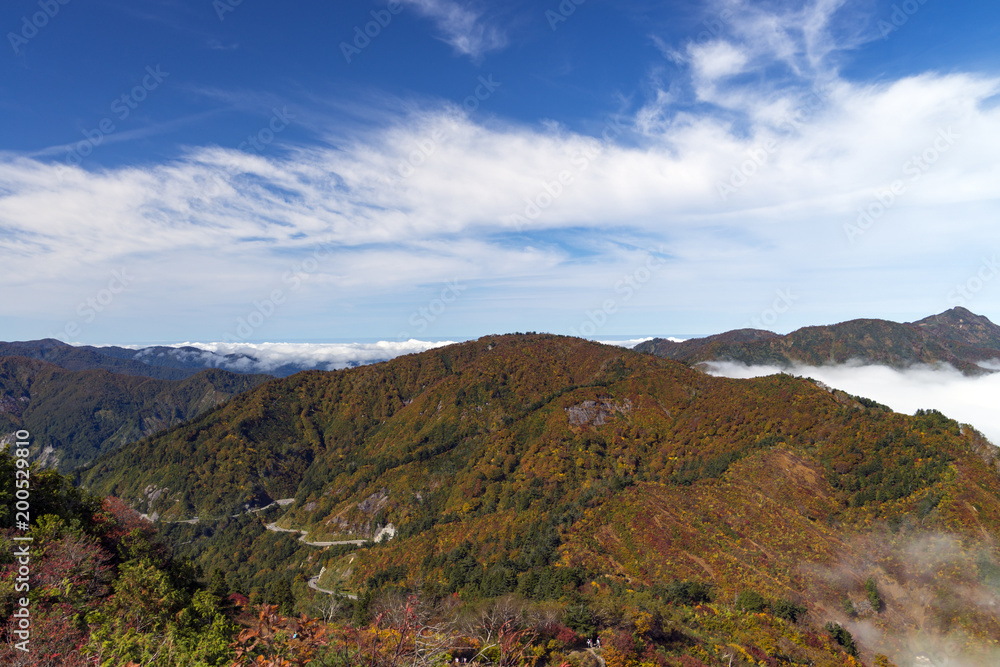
(873, 595)
(787, 610)
(752, 601)
(686, 592)
(842, 637)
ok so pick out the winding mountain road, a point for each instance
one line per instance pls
(302, 537)
(312, 583)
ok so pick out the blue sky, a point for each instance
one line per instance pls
(179, 170)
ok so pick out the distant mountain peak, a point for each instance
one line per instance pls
(957, 337)
(956, 314)
(961, 325)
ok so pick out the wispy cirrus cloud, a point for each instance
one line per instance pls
(462, 25)
(523, 212)
(799, 46)
(221, 226)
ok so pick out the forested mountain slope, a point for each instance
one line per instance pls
(86, 357)
(76, 415)
(538, 465)
(162, 362)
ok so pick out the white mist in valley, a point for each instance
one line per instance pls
(271, 357)
(267, 357)
(969, 400)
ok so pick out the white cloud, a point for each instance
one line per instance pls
(632, 342)
(434, 195)
(268, 357)
(462, 26)
(476, 178)
(716, 60)
(969, 400)
(802, 38)
(628, 343)
(793, 46)
(397, 203)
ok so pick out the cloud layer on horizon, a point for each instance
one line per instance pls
(269, 357)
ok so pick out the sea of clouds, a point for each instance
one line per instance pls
(969, 400)
(287, 357)
(278, 357)
(271, 357)
(631, 342)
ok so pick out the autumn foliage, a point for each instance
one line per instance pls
(543, 491)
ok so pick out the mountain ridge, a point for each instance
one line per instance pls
(956, 337)
(155, 361)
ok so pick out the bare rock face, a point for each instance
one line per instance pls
(7, 440)
(153, 492)
(374, 502)
(386, 532)
(596, 413)
(48, 458)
